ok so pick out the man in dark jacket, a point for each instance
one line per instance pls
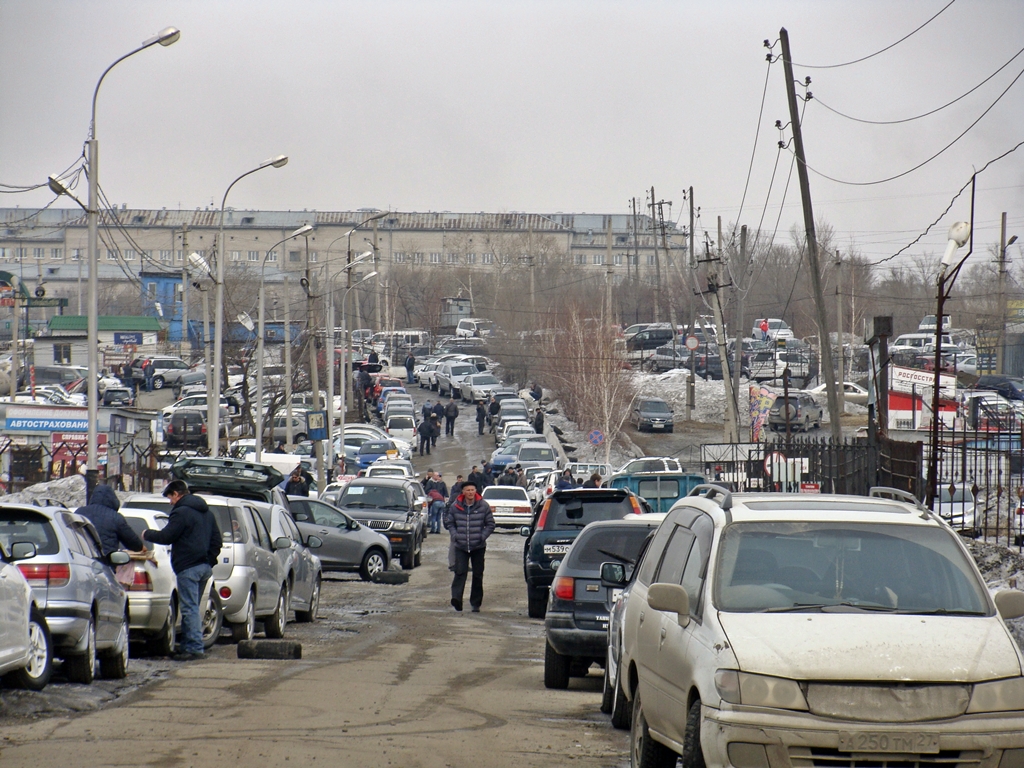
(451, 412)
(481, 417)
(110, 524)
(508, 477)
(410, 364)
(470, 523)
(478, 478)
(425, 430)
(492, 412)
(297, 485)
(195, 540)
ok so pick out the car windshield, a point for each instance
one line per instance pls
(791, 566)
(619, 543)
(18, 525)
(373, 496)
(462, 370)
(569, 513)
(529, 453)
(375, 447)
(505, 492)
(478, 380)
(655, 406)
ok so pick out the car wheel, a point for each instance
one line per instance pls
(693, 755)
(162, 644)
(36, 675)
(274, 626)
(158, 382)
(536, 606)
(807, 424)
(213, 620)
(309, 616)
(556, 668)
(374, 561)
(407, 560)
(622, 708)
(645, 752)
(300, 437)
(81, 668)
(418, 558)
(247, 628)
(114, 663)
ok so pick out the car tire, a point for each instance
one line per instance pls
(645, 752)
(300, 437)
(246, 629)
(417, 560)
(114, 663)
(556, 668)
(162, 643)
(81, 668)
(36, 675)
(374, 561)
(693, 754)
(308, 617)
(213, 620)
(158, 382)
(536, 606)
(274, 625)
(622, 708)
(408, 560)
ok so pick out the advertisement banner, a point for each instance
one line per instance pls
(761, 400)
(914, 379)
(73, 446)
(28, 419)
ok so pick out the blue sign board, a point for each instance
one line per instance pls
(596, 437)
(45, 424)
(316, 425)
(122, 338)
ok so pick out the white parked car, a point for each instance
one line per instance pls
(853, 393)
(401, 425)
(26, 651)
(510, 505)
(450, 377)
(767, 629)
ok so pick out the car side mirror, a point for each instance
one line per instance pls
(314, 542)
(672, 598)
(613, 574)
(282, 542)
(1010, 603)
(119, 558)
(525, 531)
(22, 550)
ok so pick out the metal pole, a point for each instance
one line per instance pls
(289, 436)
(205, 345)
(345, 380)
(376, 290)
(742, 412)
(840, 389)
(260, 365)
(15, 320)
(330, 368)
(314, 373)
(1002, 295)
(92, 467)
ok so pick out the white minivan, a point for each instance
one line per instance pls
(470, 327)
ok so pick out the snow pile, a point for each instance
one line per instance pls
(69, 491)
(573, 436)
(709, 396)
(1002, 568)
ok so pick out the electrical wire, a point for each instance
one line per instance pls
(925, 162)
(924, 114)
(883, 50)
(143, 254)
(948, 207)
(753, 150)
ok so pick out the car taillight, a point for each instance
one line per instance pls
(520, 510)
(564, 588)
(142, 582)
(203, 429)
(543, 515)
(225, 592)
(46, 575)
(170, 429)
(636, 505)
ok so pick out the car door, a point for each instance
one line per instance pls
(263, 561)
(107, 593)
(303, 563)
(14, 610)
(641, 625)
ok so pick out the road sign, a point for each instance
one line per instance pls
(596, 437)
(316, 425)
(692, 342)
(772, 458)
(810, 487)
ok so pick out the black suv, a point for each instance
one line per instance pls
(577, 617)
(560, 519)
(392, 506)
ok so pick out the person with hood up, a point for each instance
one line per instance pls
(566, 481)
(195, 540)
(470, 522)
(114, 531)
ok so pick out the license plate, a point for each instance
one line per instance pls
(873, 741)
(657, 426)
(503, 510)
(556, 549)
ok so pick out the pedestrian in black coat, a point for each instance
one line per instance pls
(114, 531)
(451, 413)
(435, 428)
(481, 417)
(425, 432)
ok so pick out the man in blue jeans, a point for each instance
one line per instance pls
(195, 540)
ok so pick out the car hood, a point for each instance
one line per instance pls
(872, 647)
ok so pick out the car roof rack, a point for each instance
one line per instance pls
(712, 492)
(898, 494)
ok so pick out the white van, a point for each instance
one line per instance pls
(474, 327)
(921, 342)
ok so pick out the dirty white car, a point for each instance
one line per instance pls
(767, 630)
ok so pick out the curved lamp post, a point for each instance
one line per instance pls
(165, 37)
(213, 395)
(958, 236)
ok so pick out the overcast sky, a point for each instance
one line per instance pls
(548, 106)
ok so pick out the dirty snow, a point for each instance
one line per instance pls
(69, 491)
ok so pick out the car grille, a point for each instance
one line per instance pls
(378, 525)
(826, 757)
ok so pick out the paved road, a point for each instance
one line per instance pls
(390, 675)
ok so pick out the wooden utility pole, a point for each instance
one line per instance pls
(742, 405)
(827, 367)
(668, 260)
(693, 257)
(715, 289)
(841, 389)
(1002, 296)
(657, 265)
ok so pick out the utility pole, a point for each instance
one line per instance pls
(289, 433)
(664, 243)
(714, 288)
(693, 257)
(314, 372)
(533, 289)
(657, 265)
(1002, 296)
(841, 388)
(376, 283)
(184, 293)
(742, 408)
(608, 261)
(812, 243)
(636, 244)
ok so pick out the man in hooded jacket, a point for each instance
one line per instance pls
(470, 522)
(195, 540)
(114, 531)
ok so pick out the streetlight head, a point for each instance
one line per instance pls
(57, 187)
(246, 321)
(166, 36)
(305, 229)
(1009, 242)
(372, 274)
(199, 263)
(277, 162)
(960, 231)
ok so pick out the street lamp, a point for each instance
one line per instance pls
(959, 234)
(165, 37)
(213, 395)
(304, 229)
(345, 384)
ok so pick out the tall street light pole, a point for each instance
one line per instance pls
(958, 236)
(166, 37)
(260, 363)
(213, 395)
(347, 382)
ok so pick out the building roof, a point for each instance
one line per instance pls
(106, 323)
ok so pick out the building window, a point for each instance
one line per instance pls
(471, 258)
(271, 256)
(488, 258)
(39, 253)
(236, 255)
(111, 256)
(451, 258)
(254, 255)
(177, 293)
(129, 254)
(151, 291)
(180, 255)
(581, 258)
(76, 254)
(165, 255)
(312, 257)
(598, 259)
(618, 259)
(633, 260)
(56, 253)
(651, 259)
(294, 256)
(435, 258)
(62, 354)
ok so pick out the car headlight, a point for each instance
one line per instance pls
(998, 696)
(759, 690)
(402, 526)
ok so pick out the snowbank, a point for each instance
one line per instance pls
(573, 436)
(1002, 568)
(69, 491)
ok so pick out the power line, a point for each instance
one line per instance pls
(883, 50)
(924, 114)
(753, 149)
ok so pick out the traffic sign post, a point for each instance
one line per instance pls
(596, 437)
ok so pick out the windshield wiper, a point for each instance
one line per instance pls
(941, 612)
(824, 607)
(616, 556)
(393, 506)
(355, 504)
